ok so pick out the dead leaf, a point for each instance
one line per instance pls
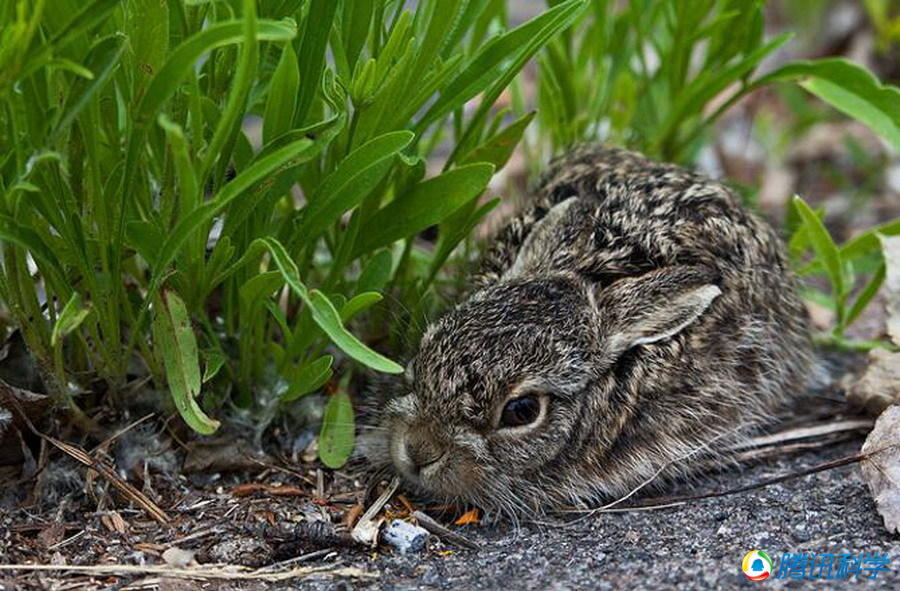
(470, 516)
(279, 490)
(114, 522)
(52, 535)
(879, 385)
(268, 516)
(222, 454)
(881, 466)
(18, 400)
(353, 515)
(18, 367)
(405, 502)
(150, 548)
(890, 245)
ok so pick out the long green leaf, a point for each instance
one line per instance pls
(70, 318)
(28, 239)
(282, 100)
(310, 378)
(185, 56)
(257, 172)
(147, 26)
(426, 205)
(499, 61)
(145, 237)
(453, 231)
(221, 147)
(91, 15)
(377, 272)
(359, 303)
(338, 427)
(102, 60)
(355, 25)
(868, 242)
(498, 148)
(312, 53)
(174, 337)
(351, 182)
(325, 314)
(826, 250)
(866, 294)
(849, 88)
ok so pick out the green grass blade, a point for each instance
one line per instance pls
(355, 25)
(189, 197)
(868, 242)
(497, 149)
(433, 31)
(86, 19)
(147, 26)
(453, 232)
(145, 237)
(256, 173)
(185, 56)
(15, 232)
(214, 360)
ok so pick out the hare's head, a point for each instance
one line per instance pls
(509, 389)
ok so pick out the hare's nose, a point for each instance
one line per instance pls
(418, 451)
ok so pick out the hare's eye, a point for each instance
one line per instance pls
(520, 411)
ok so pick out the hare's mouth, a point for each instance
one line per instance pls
(436, 470)
(413, 459)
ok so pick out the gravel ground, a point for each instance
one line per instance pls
(698, 545)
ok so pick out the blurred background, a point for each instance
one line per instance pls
(778, 141)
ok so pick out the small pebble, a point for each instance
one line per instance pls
(178, 558)
(405, 536)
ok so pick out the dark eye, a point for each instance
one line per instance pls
(520, 411)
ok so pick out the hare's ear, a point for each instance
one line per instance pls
(654, 306)
(540, 245)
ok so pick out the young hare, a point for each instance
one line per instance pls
(635, 315)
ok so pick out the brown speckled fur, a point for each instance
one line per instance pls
(570, 302)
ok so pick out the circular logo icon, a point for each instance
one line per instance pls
(757, 565)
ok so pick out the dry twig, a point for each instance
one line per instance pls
(226, 571)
